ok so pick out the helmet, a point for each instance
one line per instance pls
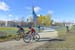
(18, 26)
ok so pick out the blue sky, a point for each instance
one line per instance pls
(61, 10)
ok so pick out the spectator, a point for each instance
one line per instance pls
(67, 28)
(39, 28)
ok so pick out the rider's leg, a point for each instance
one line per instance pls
(21, 33)
(33, 34)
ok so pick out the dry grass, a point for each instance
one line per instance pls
(67, 42)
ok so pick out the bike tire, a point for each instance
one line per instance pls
(27, 38)
(17, 38)
(37, 37)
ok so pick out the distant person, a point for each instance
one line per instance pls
(20, 29)
(67, 28)
(39, 28)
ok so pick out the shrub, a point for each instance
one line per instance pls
(9, 36)
(3, 37)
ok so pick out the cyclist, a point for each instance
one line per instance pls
(20, 29)
(32, 31)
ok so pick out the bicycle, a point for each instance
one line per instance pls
(27, 37)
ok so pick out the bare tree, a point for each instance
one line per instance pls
(22, 22)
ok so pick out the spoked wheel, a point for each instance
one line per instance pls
(27, 38)
(17, 37)
(37, 37)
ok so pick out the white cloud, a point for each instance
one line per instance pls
(50, 11)
(37, 9)
(4, 6)
(38, 14)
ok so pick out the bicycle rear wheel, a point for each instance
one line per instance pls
(27, 38)
(17, 37)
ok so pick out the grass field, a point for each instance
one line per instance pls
(10, 33)
(66, 41)
(10, 30)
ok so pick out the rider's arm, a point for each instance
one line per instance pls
(18, 31)
(30, 32)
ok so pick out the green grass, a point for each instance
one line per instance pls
(67, 41)
(10, 32)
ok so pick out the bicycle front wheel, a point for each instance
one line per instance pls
(37, 37)
(27, 38)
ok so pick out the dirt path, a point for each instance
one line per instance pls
(20, 45)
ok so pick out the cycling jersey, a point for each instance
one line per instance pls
(32, 30)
